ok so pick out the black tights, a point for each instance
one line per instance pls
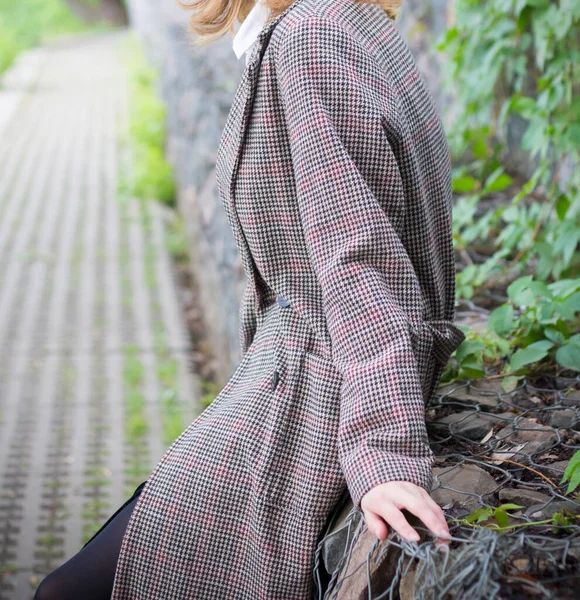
(90, 573)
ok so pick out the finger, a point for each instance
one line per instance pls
(424, 507)
(433, 519)
(423, 504)
(376, 525)
(396, 519)
(416, 503)
(439, 511)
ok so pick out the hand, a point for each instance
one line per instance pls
(385, 501)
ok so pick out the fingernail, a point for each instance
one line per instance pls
(444, 534)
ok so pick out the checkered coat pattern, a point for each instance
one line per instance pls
(334, 172)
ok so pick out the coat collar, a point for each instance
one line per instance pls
(231, 143)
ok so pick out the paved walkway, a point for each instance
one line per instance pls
(94, 380)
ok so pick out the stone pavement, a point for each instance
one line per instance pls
(94, 376)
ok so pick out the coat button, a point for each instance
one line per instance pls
(282, 301)
(275, 380)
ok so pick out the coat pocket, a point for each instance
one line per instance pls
(305, 471)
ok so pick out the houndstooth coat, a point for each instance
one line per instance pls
(334, 172)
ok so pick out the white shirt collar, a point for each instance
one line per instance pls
(250, 28)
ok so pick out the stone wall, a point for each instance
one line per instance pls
(108, 11)
(197, 85)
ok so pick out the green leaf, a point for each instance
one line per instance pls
(542, 345)
(564, 287)
(562, 206)
(523, 105)
(574, 481)
(501, 319)
(519, 291)
(567, 242)
(501, 517)
(471, 369)
(479, 514)
(480, 149)
(464, 184)
(572, 465)
(568, 356)
(545, 313)
(497, 183)
(555, 335)
(511, 506)
(526, 356)
(467, 348)
(570, 306)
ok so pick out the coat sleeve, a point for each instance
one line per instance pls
(333, 99)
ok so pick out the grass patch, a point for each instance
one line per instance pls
(8, 569)
(151, 176)
(167, 374)
(28, 23)
(176, 239)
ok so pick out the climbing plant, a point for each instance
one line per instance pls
(515, 65)
(517, 57)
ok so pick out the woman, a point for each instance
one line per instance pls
(334, 172)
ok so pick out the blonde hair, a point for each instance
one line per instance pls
(212, 19)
